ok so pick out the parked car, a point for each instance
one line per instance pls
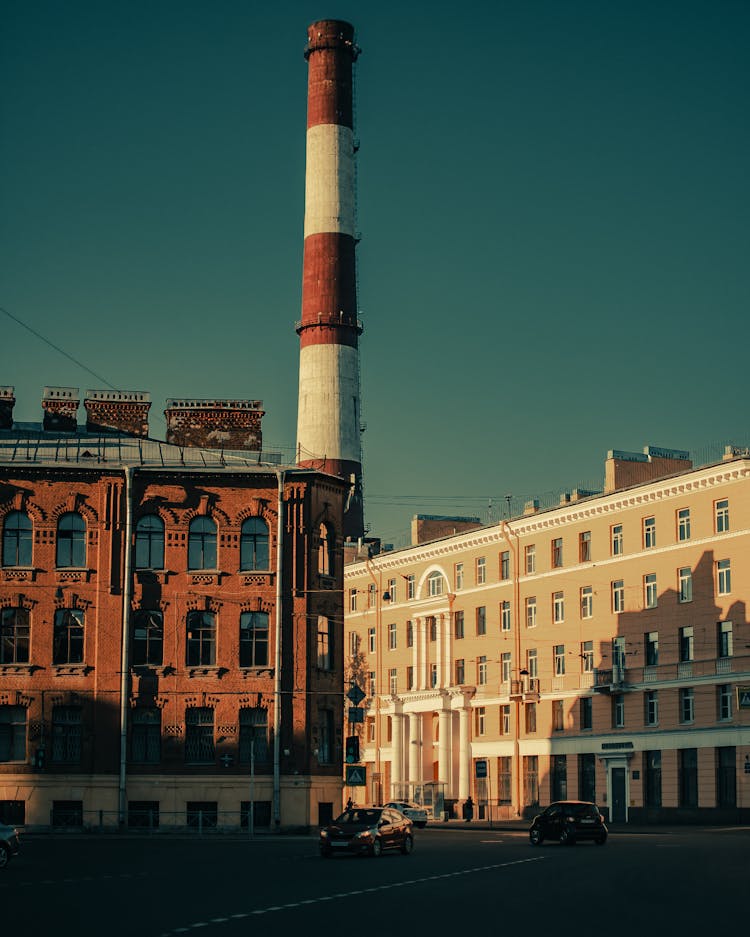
(9, 846)
(417, 814)
(368, 830)
(567, 821)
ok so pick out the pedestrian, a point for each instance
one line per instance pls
(468, 809)
(349, 804)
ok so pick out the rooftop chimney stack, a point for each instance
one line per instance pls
(328, 416)
(7, 402)
(116, 411)
(60, 405)
(215, 424)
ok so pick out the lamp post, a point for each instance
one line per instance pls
(251, 805)
(377, 782)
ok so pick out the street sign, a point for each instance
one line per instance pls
(356, 776)
(356, 714)
(356, 694)
(480, 769)
(743, 697)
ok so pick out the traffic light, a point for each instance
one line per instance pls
(352, 749)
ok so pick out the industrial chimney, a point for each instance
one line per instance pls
(328, 416)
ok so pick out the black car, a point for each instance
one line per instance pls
(369, 830)
(567, 821)
(8, 844)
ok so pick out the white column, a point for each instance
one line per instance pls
(464, 759)
(444, 747)
(422, 681)
(397, 754)
(415, 748)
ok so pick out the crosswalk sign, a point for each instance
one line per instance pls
(743, 697)
(356, 776)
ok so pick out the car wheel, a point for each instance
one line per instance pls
(567, 837)
(422, 824)
(407, 846)
(600, 840)
(4, 856)
(536, 838)
(377, 849)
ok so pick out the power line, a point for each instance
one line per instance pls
(57, 348)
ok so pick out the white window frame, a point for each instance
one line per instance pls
(587, 656)
(685, 584)
(482, 670)
(505, 616)
(435, 583)
(558, 607)
(616, 541)
(505, 667)
(683, 524)
(392, 636)
(481, 570)
(587, 601)
(651, 708)
(724, 577)
(650, 592)
(649, 532)
(530, 604)
(721, 516)
(532, 662)
(558, 660)
(529, 559)
(459, 576)
(687, 705)
(371, 640)
(618, 596)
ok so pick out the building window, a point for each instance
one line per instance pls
(480, 718)
(505, 719)
(618, 596)
(352, 600)
(726, 776)
(433, 676)
(683, 524)
(504, 779)
(558, 715)
(354, 641)
(531, 612)
(616, 540)
(372, 595)
(460, 672)
(505, 616)
(458, 624)
(15, 632)
(253, 738)
(325, 643)
(651, 643)
(529, 554)
(505, 565)
(71, 541)
(724, 577)
(409, 678)
(145, 735)
(558, 607)
(201, 639)
(392, 636)
(68, 636)
(199, 735)
(724, 701)
(587, 601)
(410, 634)
(532, 663)
(481, 570)
(618, 655)
(149, 542)
(371, 640)
(618, 711)
(458, 576)
(531, 780)
(482, 670)
(652, 779)
(559, 777)
(649, 532)
(66, 735)
(13, 812)
(687, 644)
(12, 733)
(435, 584)
(325, 737)
(587, 777)
(685, 584)
(371, 689)
(587, 657)
(148, 638)
(587, 712)
(651, 707)
(254, 546)
(530, 712)
(481, 620)
(557, 553)
(17, 539)
(393, 681)
(391, 596)
(432, 628)
(202, 543)
(650, 596)
(559, 660)
(410, 587)
(505, 667)
(724, 639)
(721, 515)
(584, 546)
(688, 777)
(687, 705)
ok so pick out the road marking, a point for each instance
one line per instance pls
(349, 894)
(72, 881)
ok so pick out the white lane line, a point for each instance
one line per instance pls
(350, 894)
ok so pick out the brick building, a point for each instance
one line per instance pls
(170, 624)
(596, 650)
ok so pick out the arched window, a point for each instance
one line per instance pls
(71, 541)
(201, 639)
(202, 543)
(254, 639)
(325, 551)
(14, 636)
(149, 543)
(435, 583)
(148, 637)
(254, 544)
(17, 539)
(68, 636)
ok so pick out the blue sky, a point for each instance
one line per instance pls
(553, 202)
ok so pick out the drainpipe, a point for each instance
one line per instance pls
(277, 664)
(127, 592)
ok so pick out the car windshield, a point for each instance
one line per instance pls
(359, 815)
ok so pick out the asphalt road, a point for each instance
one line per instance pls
(468, 881)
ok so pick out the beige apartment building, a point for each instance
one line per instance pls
(597, 650)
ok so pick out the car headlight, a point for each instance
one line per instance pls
(365, 834)
(324, 834)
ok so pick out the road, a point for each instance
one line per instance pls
(463, 881)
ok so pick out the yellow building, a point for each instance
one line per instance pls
(597, 650)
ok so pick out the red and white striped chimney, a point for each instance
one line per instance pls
(328, 416)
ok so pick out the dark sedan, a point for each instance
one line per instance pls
(568, 821)
(369, 830)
